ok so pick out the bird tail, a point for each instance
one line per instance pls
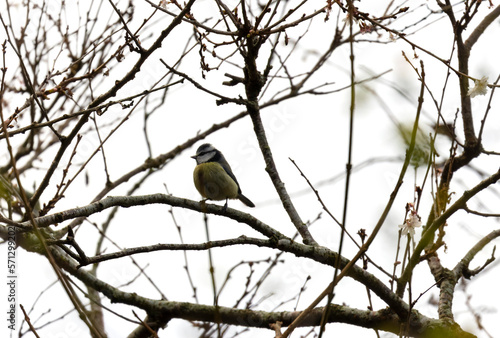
(246, 201)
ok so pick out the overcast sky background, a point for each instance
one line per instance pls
(311, 130)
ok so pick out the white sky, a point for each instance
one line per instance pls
(312, 130)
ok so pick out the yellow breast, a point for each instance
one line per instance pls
(212, 182)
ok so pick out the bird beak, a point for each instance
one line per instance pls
(194, 157)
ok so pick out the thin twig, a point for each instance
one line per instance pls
(27, 318)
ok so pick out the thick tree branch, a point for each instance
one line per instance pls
(162, 311)
(275, 240)
(254, 81)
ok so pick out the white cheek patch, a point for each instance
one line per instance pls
(205, 157)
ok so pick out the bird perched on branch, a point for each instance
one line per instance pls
(213, 177)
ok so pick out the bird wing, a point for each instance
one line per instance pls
(228, 170)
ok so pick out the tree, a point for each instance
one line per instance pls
(103, 101)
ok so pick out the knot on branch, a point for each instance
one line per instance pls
(472, 148)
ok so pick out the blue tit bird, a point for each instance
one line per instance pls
(213, 177)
